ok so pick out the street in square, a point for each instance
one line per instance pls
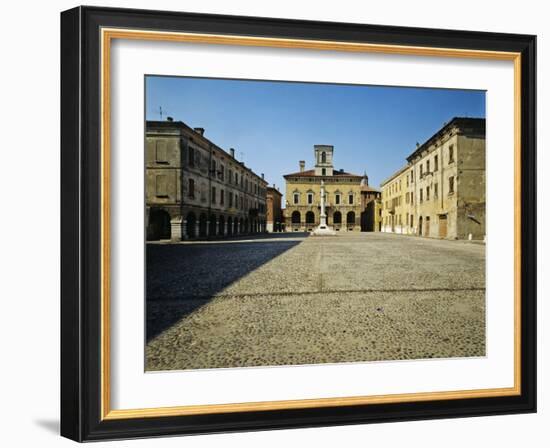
(290, 298)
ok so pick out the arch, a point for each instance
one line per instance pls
(229, 226)
(337, 217)
(159, 225)
(221, 226)
(296, 217)
(323, 157)
(202, 225)
(350, 218)
(310, 217)
(212, 225)
(191, 225)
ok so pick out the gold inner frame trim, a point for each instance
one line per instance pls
(107, 35)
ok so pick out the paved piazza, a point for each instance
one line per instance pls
(293, 299)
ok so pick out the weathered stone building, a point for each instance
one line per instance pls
(274, 219)
(195, 189)
(351, 204)
(440, 193)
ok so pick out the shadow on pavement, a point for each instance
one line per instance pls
(182, 278)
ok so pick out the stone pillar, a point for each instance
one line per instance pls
(176, 229)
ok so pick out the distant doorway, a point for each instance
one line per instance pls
(442, 226)
(427, 226)
(420, 222)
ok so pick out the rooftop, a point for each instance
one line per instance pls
(311, 173)
(197, 133)
(474, 126)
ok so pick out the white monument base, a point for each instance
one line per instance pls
(323, 231)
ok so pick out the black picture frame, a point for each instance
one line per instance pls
(81, 224)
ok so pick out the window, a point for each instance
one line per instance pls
(451, 154)
(236, 178)
(421, 195)
(161, 153)
(222, 197)
(323, 157)
(192, 188)
(350, 198)
(435, 191)
(161, 182)
(191, 154)
(412, 176)
(412, 197)
(229, 176)
(421, 170)
(222, 172)
(213, 167)
(427, 166)
(323, 171)
(436, 162)
(213, 195)
(230, 199)
(296, 198)
(427, 193)
(451, 185)
(337, 198)
(310, 198)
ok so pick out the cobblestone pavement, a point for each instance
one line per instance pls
(294, 299)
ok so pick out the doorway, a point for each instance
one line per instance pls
(442, 226)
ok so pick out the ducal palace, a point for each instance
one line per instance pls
(351, 204)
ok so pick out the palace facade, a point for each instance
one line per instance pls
(351, 204)
(195, 189)
(440, 192)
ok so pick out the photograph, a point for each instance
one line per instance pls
(301, 223)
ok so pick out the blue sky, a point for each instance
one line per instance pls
(273, 125)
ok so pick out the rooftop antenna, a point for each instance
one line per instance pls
(160, 112)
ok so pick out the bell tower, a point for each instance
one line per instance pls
(323, 160)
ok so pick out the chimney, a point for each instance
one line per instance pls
(170, 119)
(199, 131)
(262, 176)
(302, 166)
(232, 152)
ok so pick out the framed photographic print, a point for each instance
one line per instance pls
(273, 223)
